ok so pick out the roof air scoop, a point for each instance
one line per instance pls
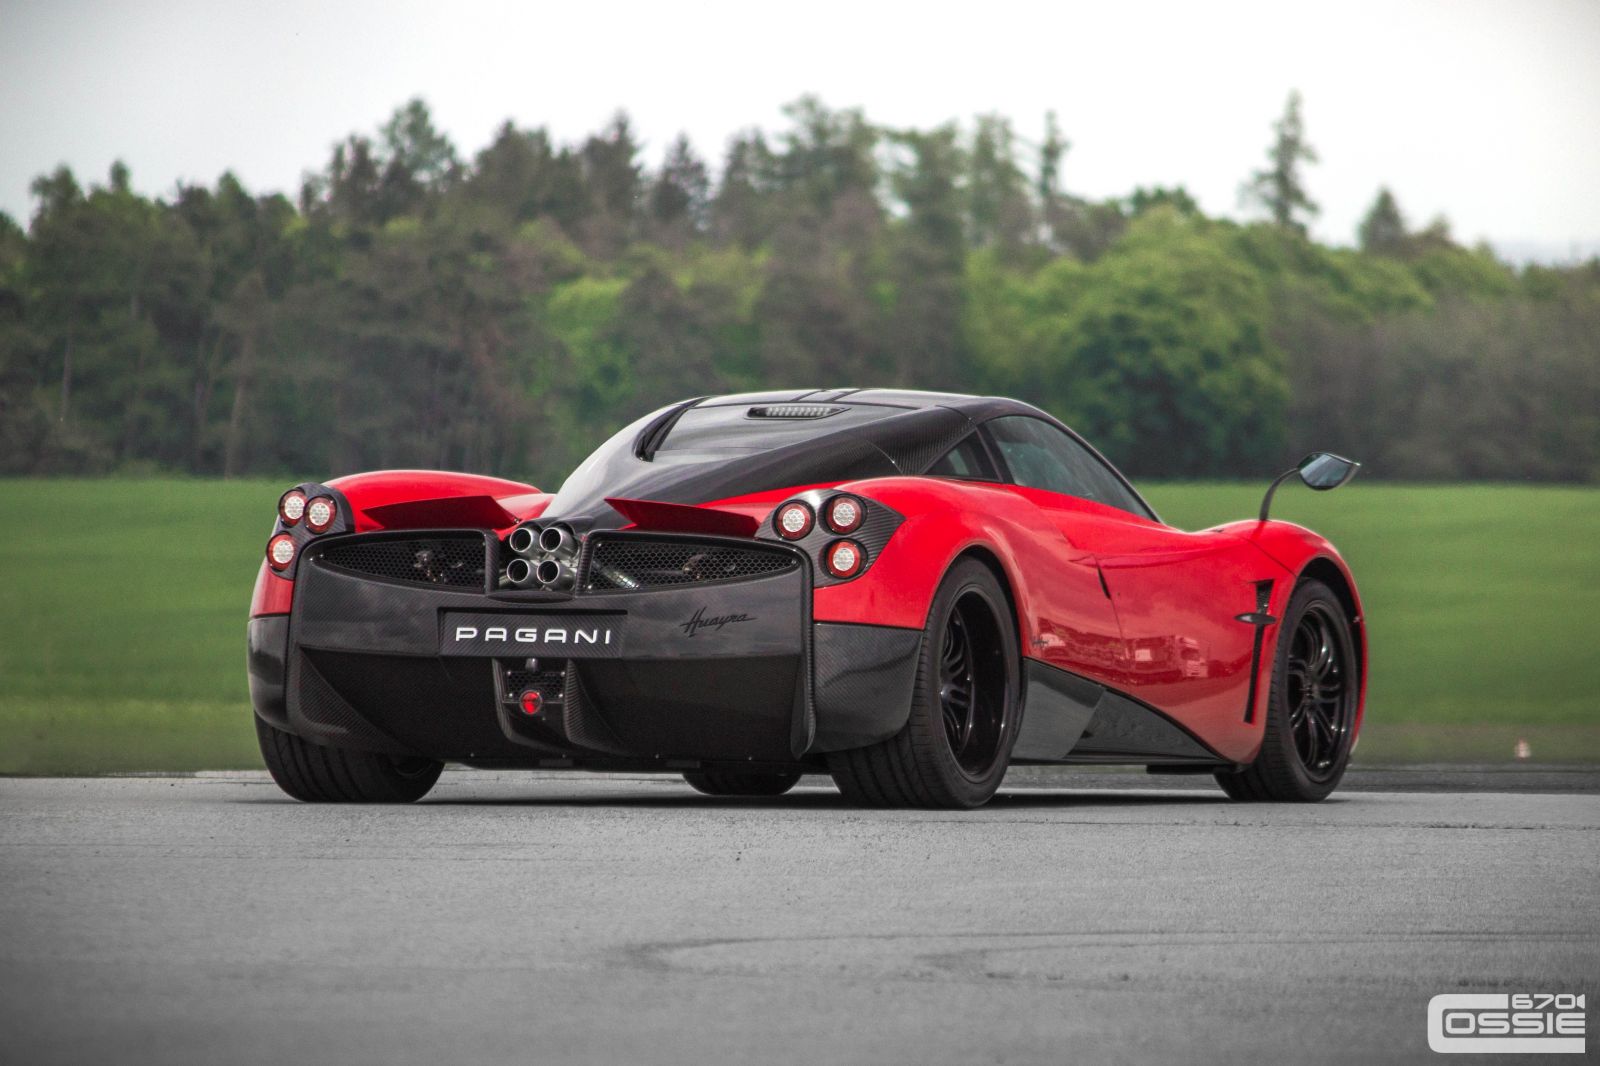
(793, 410)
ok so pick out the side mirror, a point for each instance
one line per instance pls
(1320, 471)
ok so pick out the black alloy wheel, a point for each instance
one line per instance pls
(1318, 692)
(1311, 707)
(971, 689)
(965, 706)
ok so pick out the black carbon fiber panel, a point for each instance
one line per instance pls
(922, 437)
(440, 707)
(864, 677)
(873, 534)
(731, 709)
(582, 723)
(318, 712)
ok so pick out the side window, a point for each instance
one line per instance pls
(966, 460)
(1040, 456)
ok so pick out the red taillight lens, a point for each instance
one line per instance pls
(530, 702)
(280, 551)
(844, 558)
(320, 512)
(793, 520)
(292, 506)
(844, 514)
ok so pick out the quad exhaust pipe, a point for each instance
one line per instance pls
(545, 558)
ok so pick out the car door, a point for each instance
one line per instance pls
(1178, 596)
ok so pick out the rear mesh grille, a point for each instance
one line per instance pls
(633, 562)
(454, 562)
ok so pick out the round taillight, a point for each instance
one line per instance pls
(280, 551)
(844, 514)
(320, 512)
(793, 520)
(291, 506)
(844, 558)
(530, 702)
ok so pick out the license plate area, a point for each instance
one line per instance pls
(530, 635)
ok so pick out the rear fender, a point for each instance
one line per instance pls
(943, 520)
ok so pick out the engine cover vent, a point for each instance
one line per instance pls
(794, 410)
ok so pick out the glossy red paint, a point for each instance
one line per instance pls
(685, 518)
(401, 496)
(1134, 604)
(272, 595)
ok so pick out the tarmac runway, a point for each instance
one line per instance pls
(570, 918)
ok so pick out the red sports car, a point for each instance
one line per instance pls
(909, 591)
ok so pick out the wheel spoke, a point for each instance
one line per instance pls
(1315, 690)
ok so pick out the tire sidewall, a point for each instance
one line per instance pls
(968, 575)
(1280, 737)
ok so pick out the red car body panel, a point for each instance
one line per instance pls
(413, 499)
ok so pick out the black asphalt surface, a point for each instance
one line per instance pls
(569, 918)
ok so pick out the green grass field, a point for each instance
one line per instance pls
(122, 610)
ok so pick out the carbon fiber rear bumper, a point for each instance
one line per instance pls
(708, 673)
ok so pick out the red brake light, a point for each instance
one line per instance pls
(291, 506)
(844, 558)
(844, 514)
(280, 551)
(320, 512)
(530, 702)
(793, 520)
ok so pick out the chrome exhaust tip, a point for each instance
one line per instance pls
(519, 573)
(522, 539)
(554, 539)
(555, 575)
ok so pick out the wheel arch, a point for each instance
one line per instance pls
(986, 555)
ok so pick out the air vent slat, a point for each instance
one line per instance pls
(794, 410)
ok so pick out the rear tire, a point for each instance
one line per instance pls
(313, 773)
(1311, 709)
(965, 704)
(734, 783)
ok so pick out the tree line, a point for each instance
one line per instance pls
(504, 312)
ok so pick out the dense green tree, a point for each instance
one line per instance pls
(504, 313)
(680, 195)
(1280, 186)
(1383, 228)
(999, 208)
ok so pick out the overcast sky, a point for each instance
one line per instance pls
(1486, 112)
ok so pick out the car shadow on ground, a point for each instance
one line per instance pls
(803, 800)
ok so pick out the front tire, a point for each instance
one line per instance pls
(1311, 709)
(313, 773)
(734, 783)
(956, 744)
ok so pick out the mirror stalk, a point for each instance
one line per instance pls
(1266, 501)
